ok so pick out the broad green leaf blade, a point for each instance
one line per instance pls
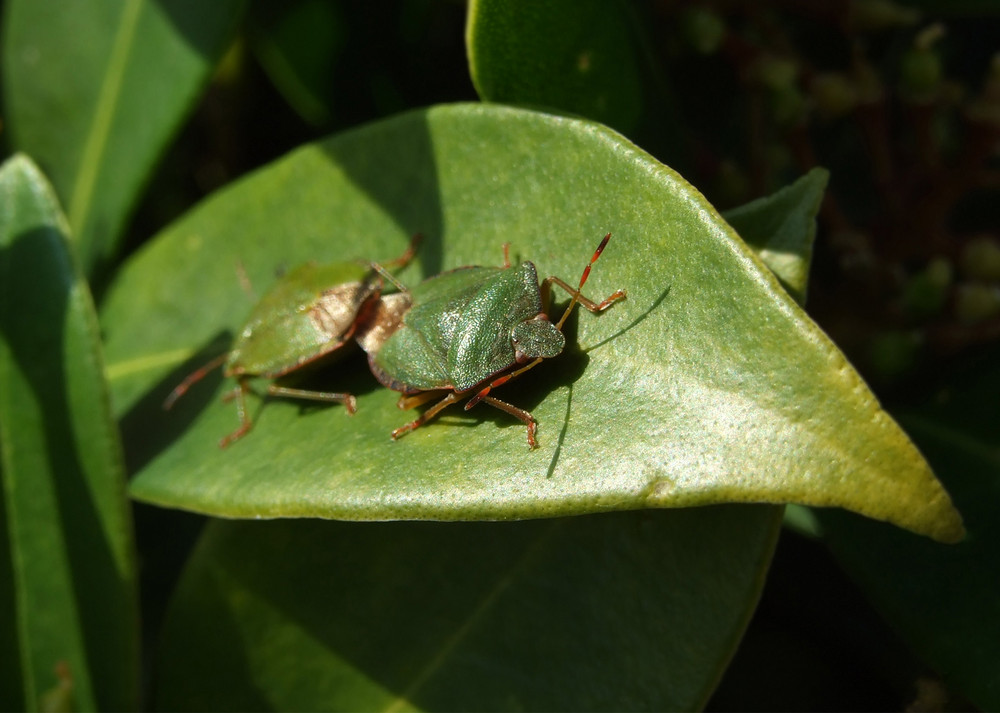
(68, 522)
(94, 91)
(707, 385)
(780, 229)
(579, 56)
(11, 676)
(943, 600)
(569, 614)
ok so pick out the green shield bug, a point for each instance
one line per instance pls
(470, 330)
(307, 315)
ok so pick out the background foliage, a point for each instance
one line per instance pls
(160, 147)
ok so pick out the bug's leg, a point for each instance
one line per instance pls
(193, 378)
(404, 259)
(546, 288)
(350, 403)
(584, 301)
(499, 381)
(407, 402)
(425, 416)
(382, 269)
(518, 413)
(396, 263)
(506, 255)
(239, 394)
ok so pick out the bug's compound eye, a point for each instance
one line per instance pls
(536, 337)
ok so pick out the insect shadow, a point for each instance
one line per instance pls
(147, 429)
(403, 182)
(635, 322)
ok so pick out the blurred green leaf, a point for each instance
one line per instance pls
(943, 600)
(573, 55)
(570, 614)
(781, 229)
(959, 8)
(298, 44)
(707, 385)
(71, 609)
(95, 90)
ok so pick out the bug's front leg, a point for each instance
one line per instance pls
(589, 304)
(518, 413)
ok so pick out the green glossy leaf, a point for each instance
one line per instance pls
(94, 91)
(781, 229)
(71, 606)
(943, 600)
(569, 614)
(707, 385)
(579, 56)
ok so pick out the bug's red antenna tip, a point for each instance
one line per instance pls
(600, 248)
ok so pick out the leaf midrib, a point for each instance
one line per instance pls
(491, 597)
(94, 148)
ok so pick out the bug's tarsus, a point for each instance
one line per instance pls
(506, 255)
(193, 378)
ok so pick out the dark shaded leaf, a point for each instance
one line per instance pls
(943, 600)
(634, 611)
(72, 610)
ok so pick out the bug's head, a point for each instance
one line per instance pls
(536, 337)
